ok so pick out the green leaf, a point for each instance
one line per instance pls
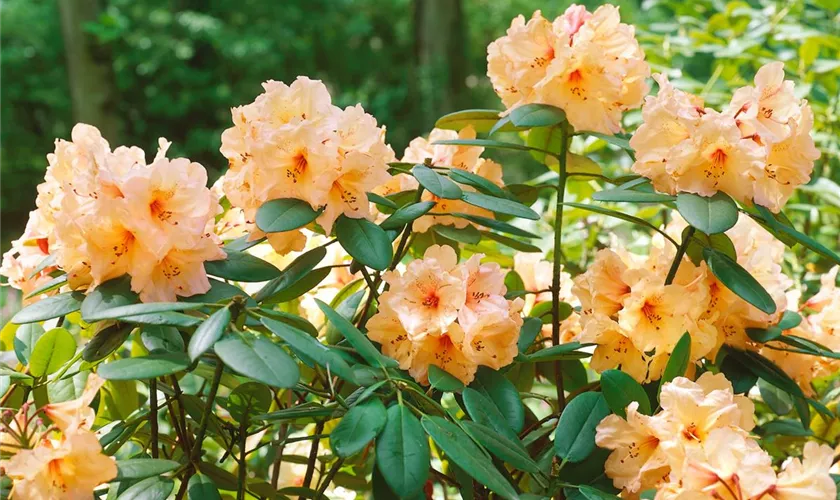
(219, 292)
(163, 338)
(700, 240)
(408, 213)
(620, 389)
(486, 143)
(293, 273)
(531, 327)
(201, 487)
(133, 310)
(712, 215)
(477, 181)
(153, 488)
(468, 235)
(381, 200)
(358, 427)
(482, 120)
(778, 400)
(141, 468)
(284, 214)
(248, 400)
(356, 338)
(165, 318)
(790, 320)
(259, 359)
(49, 308)
(503, 394)
(678, 362)
(560, 352)
(241, 266)
(25, 338)
(365, 242)
(739, 280)
(49, 286)
(144, 367)
(592, 493)
(443, 381)
(482, 410)
(613, 140)
(785, 427)
(620, 215)
(631, 196)
(509, 451)
(766, 370)
(113, 293)
(208, 333)
(309, 347)
(574, 439)
(300, 287)
(304, 411)
(462, 450)
(537, 115)
(512, 243)
(106, 341)
(763, 335)
(435, 183)
(500, 205)
(502, 227)
(53, 349)
(803, 239)
(402, 452)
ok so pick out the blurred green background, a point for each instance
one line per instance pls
(143, 69)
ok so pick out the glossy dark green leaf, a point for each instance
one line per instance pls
(106, 341)
(141, 468)
(153, 488)
(467, 235)
(531, 327)
(511, 242)
(259, 359)
(300, 287)
(678, 362)
(49, 286)
(482, 410)
(778, 400)
(113, 293)
(477, 181)
(248, 400)
(241, 266)
(790, 320)
(443, 381)
(785, 427)
(537, 115)
(365, 242)
(569, 350)
(208, 333)
(631, 196)
(801, 238)
(435, 183)
(764, 334)
(502, 227)
(306, 411)
(306, 345)
(500, 205)
(482, 120)
(511, 452)
(574, 439)
(700, 240)
(620, 389)
(459, 448)
(503, 394)
(201, 487)
(51, 351)
(144, 367)
(293, 273)
(620, 215)
(220, 292)
(163, 338)
(738, 280)
(766, 370)
(402, 452)
(133, 310)
(165, 318)
(407, 214)
(356, 338)
(284, 214)
(49, 308)
(712, 215)
(358, 427)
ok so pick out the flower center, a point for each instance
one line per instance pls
(431, 301)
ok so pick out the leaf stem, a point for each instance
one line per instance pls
(672, 273)
(555, 279)
(153, 416)
(208, 411)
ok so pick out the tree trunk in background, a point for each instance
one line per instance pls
(91, 76)
(440, 56)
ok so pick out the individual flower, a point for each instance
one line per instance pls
(21, 262)
(808, 478)
(766, 109)
(636, 462)
(67, 468)
(454, 316)
(590, 65)
(76, 413)
(292, 142)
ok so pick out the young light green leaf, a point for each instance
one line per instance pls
(402, 452)
(365, 242)
(25, 338)
(574, 439)
(482, 120)
(51, 351)
(208, 333)
(284, 214)
(358, 427)
(739, 280)
(259, 359)
(712, 215)
(620, 389)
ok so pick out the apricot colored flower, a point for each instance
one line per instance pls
(179, 273)
(69, 468)
(590, 65)
(767, 108)
(446, 351)
(23, 258)
(602, 289)
(76, 412)
(636, 462)
(808, 478)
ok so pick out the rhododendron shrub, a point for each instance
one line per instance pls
(331, 321)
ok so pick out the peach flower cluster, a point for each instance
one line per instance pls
(699, 447)
(635, 319)
(454, 316)
(64, 461)
(588, 64)
(821, 325)
(105, 213)
(292, 142)
(20, 263)
(424, 151)
(759, 149)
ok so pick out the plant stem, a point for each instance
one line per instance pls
(327, 480)
(153, 416)
(313, 455)
(555, 279)
(208, 411)
(672, 273)
(243, 469)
